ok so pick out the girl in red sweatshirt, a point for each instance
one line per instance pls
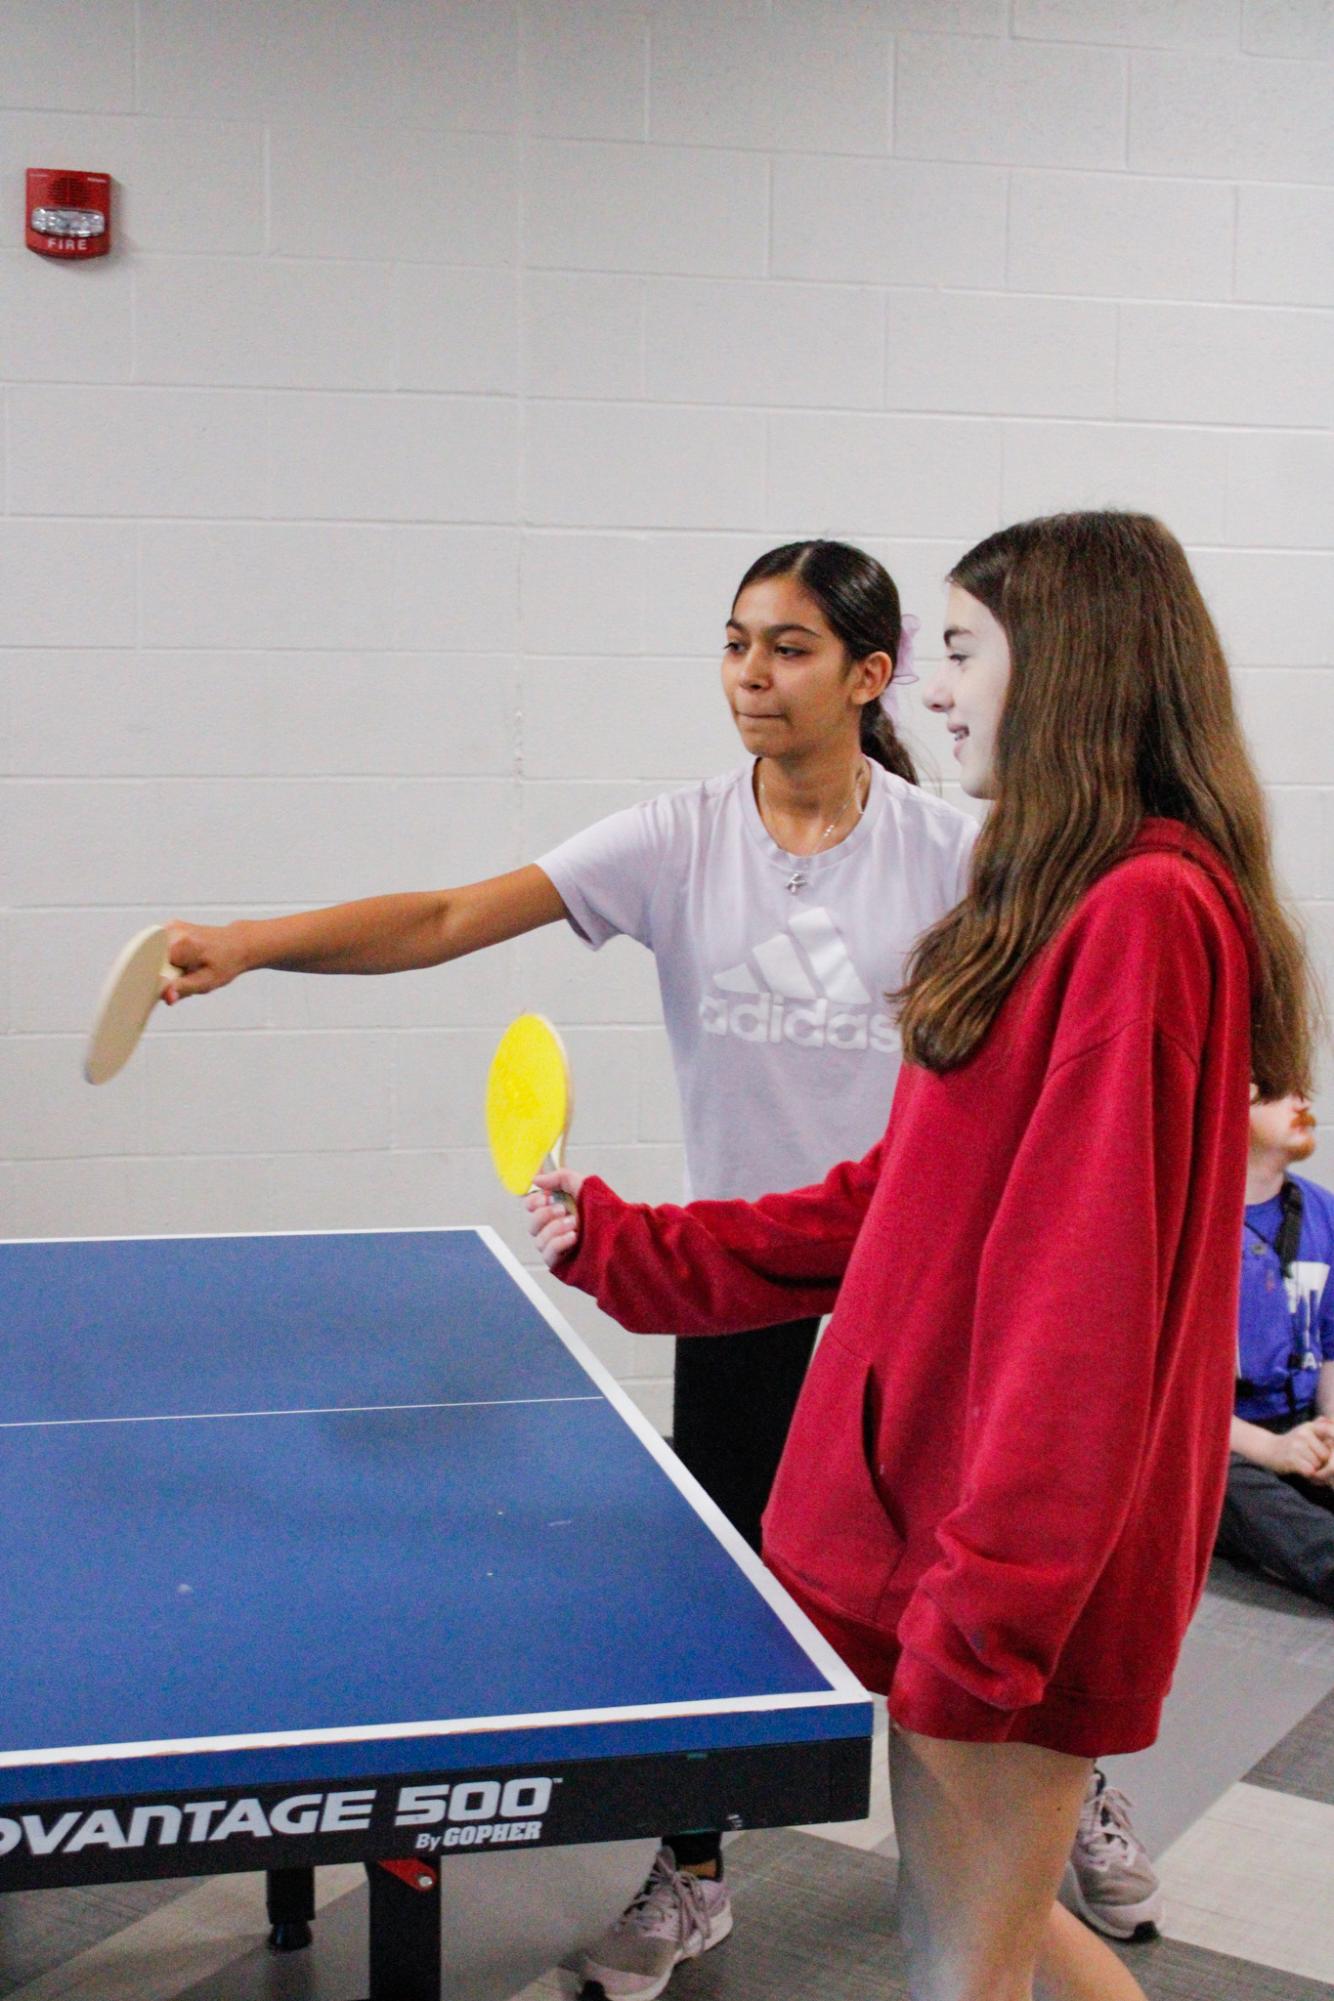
(1001, 1487)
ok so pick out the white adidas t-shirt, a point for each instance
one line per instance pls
(773, 967)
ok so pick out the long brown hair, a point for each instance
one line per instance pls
(860, 602)
(1119, 707)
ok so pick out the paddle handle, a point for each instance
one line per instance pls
(552, 1165)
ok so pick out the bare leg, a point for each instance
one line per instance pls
(1075, 1965)
(984, 1831)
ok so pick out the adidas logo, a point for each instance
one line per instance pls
(806, 992)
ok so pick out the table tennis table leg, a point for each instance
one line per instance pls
(291, 1906)
(404, 1931)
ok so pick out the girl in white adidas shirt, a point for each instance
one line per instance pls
(779, 901)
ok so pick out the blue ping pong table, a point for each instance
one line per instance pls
(342, 1548)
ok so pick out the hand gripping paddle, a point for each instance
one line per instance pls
(134, 986)
(529, 1103)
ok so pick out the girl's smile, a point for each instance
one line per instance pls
(969, 689)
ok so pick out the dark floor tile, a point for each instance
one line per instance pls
(1168, 1971)
(1304, 1761)
(40, 1929)
(1262, 1616)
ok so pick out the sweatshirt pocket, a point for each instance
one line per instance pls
(827, 1522)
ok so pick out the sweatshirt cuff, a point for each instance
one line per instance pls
(927, 1701)
(931, 1693)
(581, 1268)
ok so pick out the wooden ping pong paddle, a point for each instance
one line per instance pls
(136, 983)
(529, 1103)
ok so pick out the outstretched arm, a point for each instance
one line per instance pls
(712, 1267)
(378, 934)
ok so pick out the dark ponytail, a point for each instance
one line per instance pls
(860, 602)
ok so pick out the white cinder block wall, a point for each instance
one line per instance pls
(371, 515)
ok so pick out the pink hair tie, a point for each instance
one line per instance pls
(904, 674)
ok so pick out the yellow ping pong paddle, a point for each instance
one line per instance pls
(529, 1103)
(134, 986)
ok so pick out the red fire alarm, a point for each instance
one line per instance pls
(68, 214)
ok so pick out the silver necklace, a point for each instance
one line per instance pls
(798, 880)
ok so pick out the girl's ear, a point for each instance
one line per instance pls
(872, 676)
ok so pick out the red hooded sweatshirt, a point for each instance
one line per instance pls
(1000, 1490)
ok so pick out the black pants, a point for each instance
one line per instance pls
(1280, 1523)
(732, 1403)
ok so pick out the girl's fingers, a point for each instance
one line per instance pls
(556, 1244)
(554, 1229)
(553, 1215)
(561, 1181)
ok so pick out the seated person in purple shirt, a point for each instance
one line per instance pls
(1279, 1511)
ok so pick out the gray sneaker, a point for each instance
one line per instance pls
(676, 1916)
(1109, 1880)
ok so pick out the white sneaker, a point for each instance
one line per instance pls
(1109, 1880)
(676, 1916)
